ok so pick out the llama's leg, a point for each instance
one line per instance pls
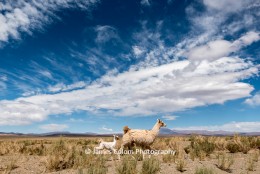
(149, 151)
(149, 148)
(144, 148)
(112, 150)
(100, 147)
(131, 150)
(115, 152)
(132, 144)
(121, 150)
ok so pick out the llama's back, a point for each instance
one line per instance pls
(139, 132)
(109, 145)
(138, 136)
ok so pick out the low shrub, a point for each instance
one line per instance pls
(150, 166)
(127, 166)
(204, 170)
(180, 165)
(225, 162)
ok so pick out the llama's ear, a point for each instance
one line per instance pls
(158, 120)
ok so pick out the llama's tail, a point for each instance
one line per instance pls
(126, 129)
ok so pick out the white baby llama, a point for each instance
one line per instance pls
(107, 145)
(143, 138)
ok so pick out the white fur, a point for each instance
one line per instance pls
(107, 145)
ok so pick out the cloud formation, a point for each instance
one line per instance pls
(232, 127)
(105, 33)
(220, 48)
(254, 101)
(167, 88)
(62, 87)
(23, 16)
(197, 71)
(145, 2)
(170, 117)
(53, 127)
(104, 128)
(138, 51)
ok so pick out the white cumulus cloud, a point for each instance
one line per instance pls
(138, 51)
(170, 117)
(220, 48)
(167, 88)
(54, 127)
(104, 128)
(232, 127)
(253, 101)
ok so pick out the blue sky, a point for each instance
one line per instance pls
(96, 66)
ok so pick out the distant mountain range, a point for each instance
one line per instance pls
(53, 134)
(166, 131)
(163, 132)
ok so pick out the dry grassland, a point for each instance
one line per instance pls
(194, 155)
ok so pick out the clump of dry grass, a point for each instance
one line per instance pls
(127, 166)
(250, 164)
(219, 142)
(256, 155)
(36, 150)
(225, 162)
(22, 147)
(97, 166)
(11, 165)
(150, 166)
(138, 156)
(160, 144)
(200, 147)
(10, 147)
(204, 170)
(62, 156)
(172, 144)
(255, 143)
(252, 161)
(167, 143)
(232, 147)
(242, 144)
(180, 164)
(168, 158)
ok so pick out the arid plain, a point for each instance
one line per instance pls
(195, 154)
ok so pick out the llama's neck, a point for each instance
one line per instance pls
(114, 142)
(155, 130)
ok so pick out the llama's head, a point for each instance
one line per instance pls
(116, 137)
(161, 123)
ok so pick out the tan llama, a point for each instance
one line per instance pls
(143, 138)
